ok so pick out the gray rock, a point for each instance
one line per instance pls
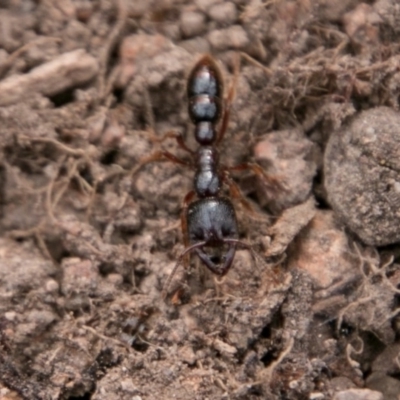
(362, 175)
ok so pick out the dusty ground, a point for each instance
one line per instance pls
(86, 245)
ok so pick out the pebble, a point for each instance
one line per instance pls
(52, 286)
(358, 394)
(136, 49)
(196, 45)
(386, 361)
(115, 279)
(205, 5)
(341, 383)
(223, 13)
(289, 155)
(234, 37)
(316, 396)
(362, 175)
(322, 251)
(362, 26)
(388, 387)
(10, 315)
(192, 23)
(80, 276)
(22, 268)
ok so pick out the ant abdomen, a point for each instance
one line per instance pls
(204, 91)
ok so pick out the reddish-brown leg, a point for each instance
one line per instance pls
(237, 194)
(229, 101)
(159, 155)
(172, 135)
(272, 183)
(186, 201)
(187, 251)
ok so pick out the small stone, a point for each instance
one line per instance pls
(187, 355)
(386, 361)
(358, 394)
(362, 26)
(234, 37)
(287, 227)
(52, 286)
(41, 317)
(192, 23)
(205, 5)
(223, 13)
(316, 396)
(224, 348)
(80, 276)
(22, 268)
(10, 315)
(128, 219)
(322, 250)
(290, 157)
(362, 175)
(342, 383)
(112, 135)
(196, 45)
(136, 49)
(386, 386)
(294, 384)
(115, 279)
(127, 386)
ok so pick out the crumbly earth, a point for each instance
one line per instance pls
(89, 234)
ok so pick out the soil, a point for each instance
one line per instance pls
(90, 233)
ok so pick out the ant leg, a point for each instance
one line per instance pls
(178, 262)
(229, 100)
(272, 183)
(172, 135)
(221, 271)
(151, 122)
(248, 247)
(158, 156)
(187, 200)
(236, 193)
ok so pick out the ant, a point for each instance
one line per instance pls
(210, 221)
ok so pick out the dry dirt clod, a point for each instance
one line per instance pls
(362, 175)
(362, 26)
(81, 315)
(192, 23)
(288, 225)
(358, 394)
(135, 50)
(234, 37)
(386, 385)
(79, 276)
(322, 250)
(291, 158)
(223, 13)
(19, 276)
(64, 72)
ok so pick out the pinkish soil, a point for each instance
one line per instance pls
(87, 241)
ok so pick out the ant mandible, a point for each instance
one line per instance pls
(210, 221)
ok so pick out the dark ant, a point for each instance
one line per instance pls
(210, 221)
